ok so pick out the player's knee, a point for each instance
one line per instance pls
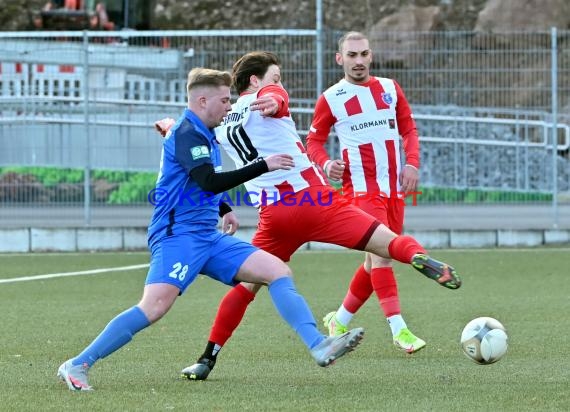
(277, 276)
(368, 260)
(154, 311)
(279, 270)
(380, 262)
(252, 287)
(157, 300)
(374, 261)
(262, 268)
(379, 241)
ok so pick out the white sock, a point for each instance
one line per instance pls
(396, 323)
(343, 315)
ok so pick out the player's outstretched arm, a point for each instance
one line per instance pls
(272, 101)
(213, 182)
(279, 161)
(164, 125)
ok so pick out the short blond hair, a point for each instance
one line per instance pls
(202, 77)
(351, 35)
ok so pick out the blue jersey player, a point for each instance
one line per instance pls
(184, 240)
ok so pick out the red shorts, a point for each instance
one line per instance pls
(316, 214)
(388, 210)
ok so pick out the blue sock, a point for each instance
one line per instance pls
(293, 308)
(116, 334)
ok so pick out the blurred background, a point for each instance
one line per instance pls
(81, 83)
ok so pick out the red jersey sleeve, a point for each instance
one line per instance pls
(407, 128)
(280, 95)
(323, 120)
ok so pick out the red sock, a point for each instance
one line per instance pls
(230, 313)
(403, 248)
(384, 284)
(359, 290)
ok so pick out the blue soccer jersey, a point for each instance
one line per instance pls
(180, 204)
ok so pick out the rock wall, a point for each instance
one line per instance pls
(487, 18)
(337, 14)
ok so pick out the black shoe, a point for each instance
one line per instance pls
(199, 371)
(441, 272)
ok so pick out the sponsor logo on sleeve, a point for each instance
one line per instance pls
(199, 152)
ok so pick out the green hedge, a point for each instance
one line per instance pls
(125, 187)
(471, 196)
(46, 175)
(52, 176)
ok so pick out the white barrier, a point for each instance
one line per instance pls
(52, 80)
(122, 239)
(14, 79)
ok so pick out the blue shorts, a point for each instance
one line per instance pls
(178, 259)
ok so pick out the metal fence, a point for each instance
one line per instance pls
(81, 104)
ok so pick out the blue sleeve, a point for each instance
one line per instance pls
(191, 148)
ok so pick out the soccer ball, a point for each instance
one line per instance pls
(484, 340)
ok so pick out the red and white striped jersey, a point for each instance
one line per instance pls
(368, 120)
(246, 136)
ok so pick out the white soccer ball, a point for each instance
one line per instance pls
(484, 340)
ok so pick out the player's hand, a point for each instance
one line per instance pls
(409, 179)
(230, 223)
(266, 105)
(164, 125)
(334, 169)
(280, 161)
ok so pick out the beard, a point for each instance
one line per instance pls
(358, 76)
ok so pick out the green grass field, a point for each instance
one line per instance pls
(265, 367)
